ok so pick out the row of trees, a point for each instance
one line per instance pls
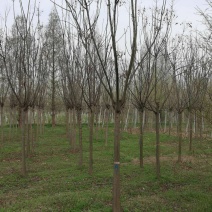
(72, 58)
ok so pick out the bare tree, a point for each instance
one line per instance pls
(21, 56)
(4, 87)
(196, 78)
(73, 79)
(160, 67)
(108, 48)
(91, 94)
(142, 89)
(53, 37)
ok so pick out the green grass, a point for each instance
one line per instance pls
(56, 183)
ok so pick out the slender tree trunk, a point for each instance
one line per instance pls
(79, 117)
(165, 121)
(101, 118)
(179, 136)
(116, 173)
(200, 125)
(69, 128)
(31, 136)
(20, 117)
(24, 169)
(27, 133)
(195, 124)
(141, 113)
(96, 123)
(190, 130)
(91, 125)
(73, 126)
(34, 127)
(170, 121)
(43, 120)
(11, 124)
(68, 120)
(2, 124)
(157, 126)
(106, 127)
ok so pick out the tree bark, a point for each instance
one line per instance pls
(141, 114)
(170, 121)
(68, 120)
(2, 124)
(165, 121)
(157, 126)
(116, 173)
(24, 169)
(43, 120)
(79, 117)
(106, 127)
(27, 133)
(91, 125)
(20, 117)
(190, 130)
(200, 125)
(179, 136)
(73, 126)
(32, 130)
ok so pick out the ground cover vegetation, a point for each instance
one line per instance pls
(55, 182)
(73, 102)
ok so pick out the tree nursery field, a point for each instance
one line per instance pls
(56, 182)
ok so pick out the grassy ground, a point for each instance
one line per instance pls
(55, 183)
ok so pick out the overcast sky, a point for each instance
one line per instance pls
(185, 10)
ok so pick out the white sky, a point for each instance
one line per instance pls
(185, 10)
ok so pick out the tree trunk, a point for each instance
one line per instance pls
(116, 173)
(200, 125)
(190, 130)
(68, 120)
(195, 123)
(91, 125)
(179, 136)
(38, 125)
(79, 117)
(20, 117)
(106, 127)
(69, 128)
(27, 133)
(43, 120)
(170, 121)
(31, 135)
(11, 124)
(141, 113)
(2, 124)
(73, 126)
(165, 121)
(157, 126)
(24, 169)
(34, 135)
